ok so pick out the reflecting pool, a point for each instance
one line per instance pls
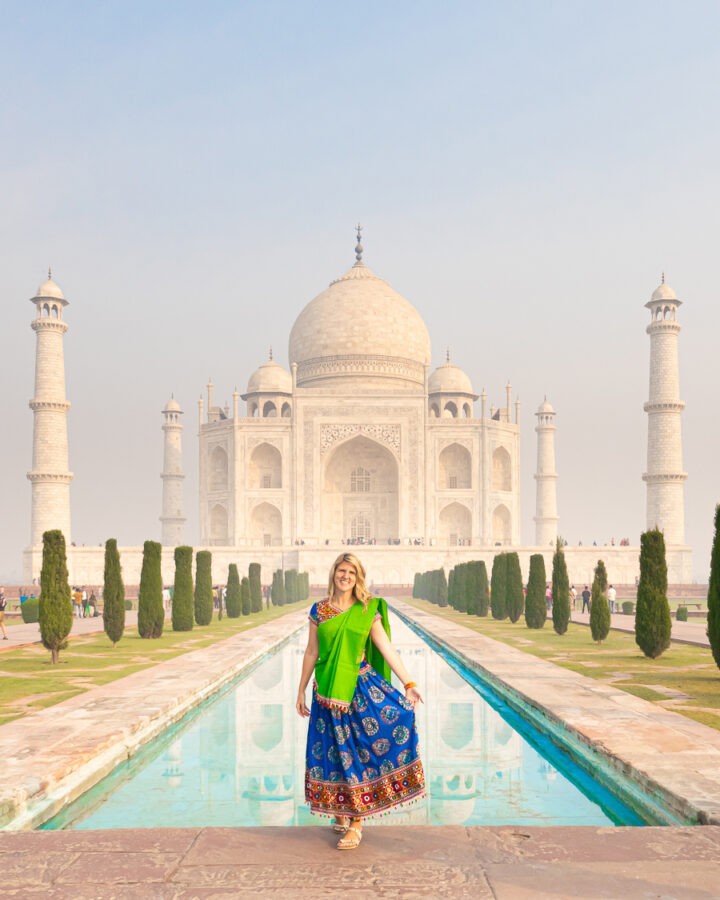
(239, 760)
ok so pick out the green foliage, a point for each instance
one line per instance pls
(127, 604)
(498, 590)
(304, 585)
(652, 617)
(55, 612)
(628, 608)
(151, 612)
(599, 611)
(602, 577)
(203, 587)
(451, 588)
(416, 584)
(245, 596)
(278, 588)
(471, 588)
(713, 598)
(30, 610)
(682, 614)
(441, 587)
(291, 586)
(113, 593)
(514, 590)
(560, 590)
(233, 601)
(182, 600)
(482, 603)
(535, 604)
(255, 587)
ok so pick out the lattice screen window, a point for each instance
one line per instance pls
(359, 481)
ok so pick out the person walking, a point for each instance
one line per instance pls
(3, 607)
(586, 599)
(573, 597)
(611, 595)
(362, 745)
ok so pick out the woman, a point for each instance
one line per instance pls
(362, 754)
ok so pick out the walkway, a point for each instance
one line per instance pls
(692, 632)
(21, 635)
(503, 863)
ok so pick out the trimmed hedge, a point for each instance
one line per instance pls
(113, 594)
(233, 601)
(498, 587)
(203, 587)
(514, 590)
(713, 597)
(681, 615)
(652, 618)
(599, 611)
(55, 612)
(628, 608)
(560, 590)
(30, 610)
(182, 600)
(255, 587)
(245, 596)
(535, 604)
(151, 611)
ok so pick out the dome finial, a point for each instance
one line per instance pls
(663, 278)
(447, 355)
(270, 352)
(358, 246)
(49, 273)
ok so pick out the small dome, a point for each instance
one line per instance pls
(172, 406)
(449, 379)
(50, 289)
(270, 378)
(545, 407)
(664, 292)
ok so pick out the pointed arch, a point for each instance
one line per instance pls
(501, 470)
(454, 468)
(265, 469)
(501, 525)
(218, 469)
(455, 524)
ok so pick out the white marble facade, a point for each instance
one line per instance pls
(359, 440)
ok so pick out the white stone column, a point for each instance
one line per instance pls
(49, 476)
(664, 476)
(172, 518)
(546, 517)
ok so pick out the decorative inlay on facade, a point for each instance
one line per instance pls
(326, 366)
(673, 406)
(670, 476)
(389, 435)
(49, 325)
(256, 441)
(441, 444)
(61, 478)
(60, 405)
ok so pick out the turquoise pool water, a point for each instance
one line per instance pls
(239, 760)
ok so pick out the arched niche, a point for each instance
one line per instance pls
(218, 469)
(501, 525)
(501, 470)
(376, 468)
(266, 525)
(253, 410)
(218, 525)
(467, 411)
(286, 410)
(265, 470)
(454, 468)
(450, 410)
(434, 411)
(455, 524)
(269, 410)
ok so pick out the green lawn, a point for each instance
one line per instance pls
(28, 680)
(684, 679)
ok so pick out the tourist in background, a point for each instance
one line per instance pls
(611, 595)
(3, 607)
(362, 754)
(586, 599)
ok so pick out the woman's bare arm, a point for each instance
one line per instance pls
(309, 660)
(392, 658)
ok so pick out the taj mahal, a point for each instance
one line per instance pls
(359, 442)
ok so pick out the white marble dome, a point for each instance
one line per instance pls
(663, 292)
(449, 379)
(50, 289)
(172, 406)
(545, 407)
(270, 378)
(359, 327)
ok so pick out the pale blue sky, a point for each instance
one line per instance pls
(524, 171)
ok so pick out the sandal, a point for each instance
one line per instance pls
(338, 826)
(348, 843)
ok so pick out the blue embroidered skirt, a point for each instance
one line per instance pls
(363, 761)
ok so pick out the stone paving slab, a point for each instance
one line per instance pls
(52, 756)
(668, 755)
(694, 633)
(499, 863)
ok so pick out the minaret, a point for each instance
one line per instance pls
(49, 476)
(664, 476)
(172, 477)
(546, 517)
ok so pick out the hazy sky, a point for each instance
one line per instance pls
(523, 171)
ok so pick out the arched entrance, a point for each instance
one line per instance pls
(360, 493)
(266, 525)
(455, 525)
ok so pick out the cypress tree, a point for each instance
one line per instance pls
(602, 577)
(441, 588)
(255, 587)
(245, 596)
(113, 593)
(470, 589)
(483, 590)
(182, 599)
(151, 612)
(306, 586)
(599, 611)
(288, 585)
(55, 611)
(515, 595)
(652, 614)
(461, 587)
(713, 598)
(560, 590)
(535, 605)
(415, 585)
(233, 603)
(498, 593)
(451, 588)
(279, 589)
(203, 587)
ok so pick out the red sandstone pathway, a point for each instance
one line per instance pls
(506, 863)
(682, 632)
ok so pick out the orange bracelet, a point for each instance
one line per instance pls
(409, 685)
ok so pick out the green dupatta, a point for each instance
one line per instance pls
(342, 640)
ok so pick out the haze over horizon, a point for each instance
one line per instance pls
(523, 174)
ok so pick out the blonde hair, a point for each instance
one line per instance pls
(360, 591)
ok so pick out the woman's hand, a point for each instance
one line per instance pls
(413, 695)
(302, 710)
